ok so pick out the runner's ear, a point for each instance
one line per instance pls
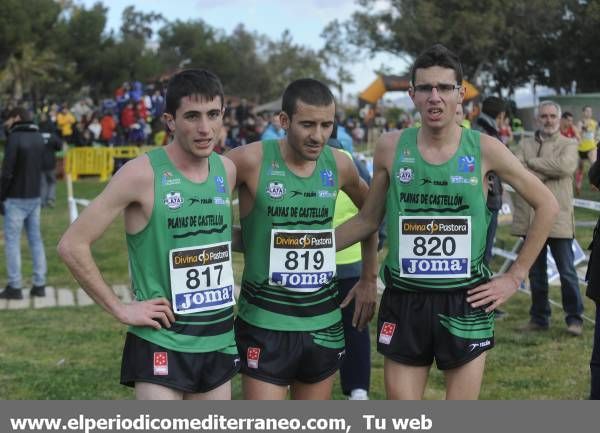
(284, 120)
(169, 121)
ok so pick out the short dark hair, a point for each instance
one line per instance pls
(192, 82)
(493, 106)
(23, 114)
(566, 115)
(437, 55)
(307, 90)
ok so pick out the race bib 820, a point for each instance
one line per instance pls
(435, 247)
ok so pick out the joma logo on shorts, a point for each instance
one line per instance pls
(481, 344)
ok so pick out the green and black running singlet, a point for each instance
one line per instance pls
(184, 254)
(437, 219)
(288, 282)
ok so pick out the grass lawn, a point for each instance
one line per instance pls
(74, 353)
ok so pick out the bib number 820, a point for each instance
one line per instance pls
(432, 245)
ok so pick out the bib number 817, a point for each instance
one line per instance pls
(292, 262)
(194, 277)
(447, 245)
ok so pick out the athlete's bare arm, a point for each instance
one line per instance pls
(247, 160)
(130, 190)
(498, 158)
(364, 292)
(236, 232)
(371, 213)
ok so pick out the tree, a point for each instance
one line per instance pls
(287, 62)
(508, 40)
(337, 54)
(21, 23)
(246, 49)
(80, 41)
(25, 69)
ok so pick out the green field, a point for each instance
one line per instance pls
(74, 353)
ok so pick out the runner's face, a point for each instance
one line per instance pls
(309, 129)
(197, 125)
(548, 119)
(437, 107)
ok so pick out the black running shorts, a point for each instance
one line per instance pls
(283, 357)
(144, 361)
(414, 328)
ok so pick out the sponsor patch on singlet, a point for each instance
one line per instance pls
(301, 260)
(435, 246)
(201, 278)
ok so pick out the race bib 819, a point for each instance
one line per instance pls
(301, 260)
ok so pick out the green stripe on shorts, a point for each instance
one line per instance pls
(476, 326)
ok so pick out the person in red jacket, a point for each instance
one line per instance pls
(108, 128)
(127, 118)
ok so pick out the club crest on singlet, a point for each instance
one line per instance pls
(276, 190)
(173, 200)
(405, 174)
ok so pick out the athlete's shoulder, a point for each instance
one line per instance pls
(487, 143)
(137, 170)
(227, 163)
(391, 137)
(231, 171)
(386, 145)
(339, 154)
(247, 154)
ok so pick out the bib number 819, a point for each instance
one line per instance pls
(292, 262)
(447, 245)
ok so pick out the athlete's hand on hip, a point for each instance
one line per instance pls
(156, 313)
(493, 293)
(364, 294)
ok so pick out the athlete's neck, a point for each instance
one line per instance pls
(192, 167)
(438, 145)
(294, 161)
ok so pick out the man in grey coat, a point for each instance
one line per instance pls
(553, 159)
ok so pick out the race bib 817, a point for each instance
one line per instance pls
(201, 278)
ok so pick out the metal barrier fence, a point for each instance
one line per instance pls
(96, 161)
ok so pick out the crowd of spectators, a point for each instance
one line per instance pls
(131, 116)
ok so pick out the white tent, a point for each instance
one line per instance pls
(272, 106)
